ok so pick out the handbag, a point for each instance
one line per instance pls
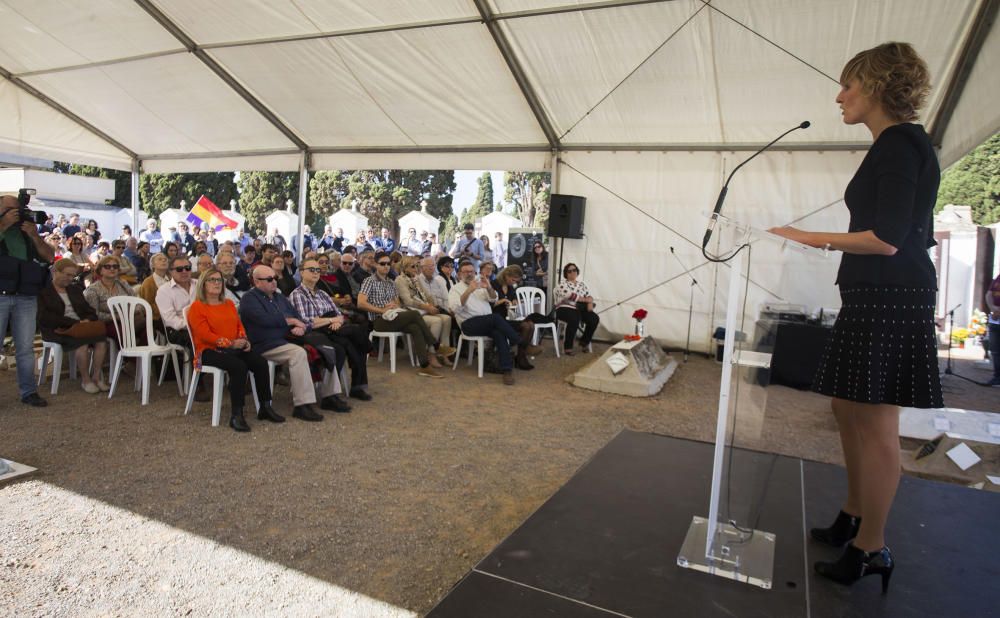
(90, 329)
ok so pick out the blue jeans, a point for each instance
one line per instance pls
(20, 312)
(504, 336)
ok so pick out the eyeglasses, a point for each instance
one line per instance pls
(111, 266)
(313, 269)
(181, 269)
(347, 264)
(213, 280)
(268, 279)
(385, 263)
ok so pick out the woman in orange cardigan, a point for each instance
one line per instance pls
(220, 341)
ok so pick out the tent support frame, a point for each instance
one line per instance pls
(981, 25)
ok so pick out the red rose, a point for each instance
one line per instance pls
(640, 314)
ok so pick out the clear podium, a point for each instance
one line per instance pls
(726, 543)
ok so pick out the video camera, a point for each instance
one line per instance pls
(27, 215)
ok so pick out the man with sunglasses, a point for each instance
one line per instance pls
(269, 318)
(171, 300)
(379, 298)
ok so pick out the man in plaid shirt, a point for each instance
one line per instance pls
(378, 297)
(350, 340)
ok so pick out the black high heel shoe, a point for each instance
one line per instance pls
(856, 563)
(844, 529)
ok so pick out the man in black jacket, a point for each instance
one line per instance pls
(24, 258)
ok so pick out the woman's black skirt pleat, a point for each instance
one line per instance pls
(883, 349)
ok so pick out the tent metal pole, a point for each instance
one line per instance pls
(553, 188)
(509, 57)
(303, 194)
(135, 195)
(210, 62)
(982, 23)
(38, 94)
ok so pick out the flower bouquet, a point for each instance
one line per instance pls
(638, 315)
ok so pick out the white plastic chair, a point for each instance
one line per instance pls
(56, 350)
(123, 310)
(480, 350)
(527, 297)
(218, 377)
(392, 338)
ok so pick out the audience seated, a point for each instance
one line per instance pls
(470, 300)
(324, 319)
(413, 294)
(161, 276)
(236, 282)
(285, 283)
(379, 298)
(63, 317)
(106, 285)
(506, 285)
(365, 266)
(574, 305)
(269, 317)
(221, 341)
(126, 270)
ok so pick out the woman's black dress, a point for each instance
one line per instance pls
(883, 349)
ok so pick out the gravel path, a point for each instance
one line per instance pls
(395, 501)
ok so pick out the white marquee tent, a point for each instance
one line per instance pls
(642, 106)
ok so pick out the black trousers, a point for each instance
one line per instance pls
(351, 342)
(236, 365)
(573, 317)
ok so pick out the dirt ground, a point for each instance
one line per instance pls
(400, 498)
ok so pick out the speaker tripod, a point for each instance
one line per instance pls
(948, 369)
(694, 283)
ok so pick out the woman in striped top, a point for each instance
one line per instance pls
(574, 305)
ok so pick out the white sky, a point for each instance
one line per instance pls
(467, 182)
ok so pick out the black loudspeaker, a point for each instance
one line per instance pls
(566, 216)
(520, 251)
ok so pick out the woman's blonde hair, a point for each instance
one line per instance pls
(199, 289)
(507, 275)
(894, 75)
(64, 264)
(406, 262)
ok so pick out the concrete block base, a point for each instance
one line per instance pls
(647, 372)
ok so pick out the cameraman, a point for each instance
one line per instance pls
(24, 258)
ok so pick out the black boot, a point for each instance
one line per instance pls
(237, 422)
(306, 413)
(521, 362)
(267, 413)
(856, 563)
(844, 529)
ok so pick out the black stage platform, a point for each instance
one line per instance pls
(606, 545)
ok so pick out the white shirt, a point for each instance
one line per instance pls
(171, 300)
(438, 289)
(478, 303)
(154, 238)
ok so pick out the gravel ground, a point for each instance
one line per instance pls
(395, 501)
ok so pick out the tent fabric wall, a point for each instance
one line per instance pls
(626, 250)
(426, 76)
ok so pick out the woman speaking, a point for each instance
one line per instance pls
(883, 350)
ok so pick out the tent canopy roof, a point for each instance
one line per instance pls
(184, 85)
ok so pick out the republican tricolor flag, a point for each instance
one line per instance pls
(205, 212)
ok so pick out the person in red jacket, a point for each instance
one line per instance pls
(221, 341)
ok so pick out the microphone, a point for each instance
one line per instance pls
(725, 188)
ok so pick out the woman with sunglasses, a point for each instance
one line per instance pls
(76, 254)
(107, 285)
(220, 340)
(538, 273)
(574, 305)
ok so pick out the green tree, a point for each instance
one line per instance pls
(484, 200)
(383, 195)
(261, 193)
(158, 192)
(450, 228)
(123, 180)
(529, 192)
(975, 181)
